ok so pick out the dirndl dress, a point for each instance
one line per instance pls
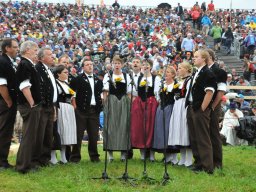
(117, 118)
(143, 117)
(167, 101)
(66, 121)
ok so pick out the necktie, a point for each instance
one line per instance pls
(89, 76)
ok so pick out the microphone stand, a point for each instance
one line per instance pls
(166, 176)
(104, 175)
(125, 176)
(144, 173)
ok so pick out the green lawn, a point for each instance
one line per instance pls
(239, 174)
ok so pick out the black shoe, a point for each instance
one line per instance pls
(196, 169)
(6, 166)
(31, 170)
(62, 163)
(95, 160)
(122, 160)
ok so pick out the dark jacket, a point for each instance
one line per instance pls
(27, 71)
(46, 87)
(82, 87)
(205, 79)
(220, 76)
(8, 72)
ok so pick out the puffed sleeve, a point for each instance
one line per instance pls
(210, 82)
(129, 88)
(157, 87)
(106, 83)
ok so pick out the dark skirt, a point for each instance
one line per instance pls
(116, 123)
(158, 141)
(140, 134)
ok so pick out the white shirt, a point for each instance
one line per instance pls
(114, 76)
(135, 87)
(91, 81)
(55, 94)
(157, 84)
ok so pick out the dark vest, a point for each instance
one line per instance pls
(121, 88)
(167, 98)
(142, 90)
(63, 97)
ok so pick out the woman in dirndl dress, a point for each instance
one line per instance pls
(66, 121)
(178, 129)
(116, 95)
(163, 113)
(144, 110)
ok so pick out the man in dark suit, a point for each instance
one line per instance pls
(49, 99)
(203, 86)
(221, 79)
(29, 99)
(87, 104)
(8, 92)
(179, 10)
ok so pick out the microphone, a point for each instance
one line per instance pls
(110, 79)
(130, 72)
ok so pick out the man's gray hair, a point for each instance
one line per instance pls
(41, 52)
(25, 46)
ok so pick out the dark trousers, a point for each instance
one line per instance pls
(199, 131)
(56, 142)
(7, 120)
(89, 121)
(31, 120)
(215, 137)
(44, 136)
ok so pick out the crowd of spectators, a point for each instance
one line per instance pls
(166, 36)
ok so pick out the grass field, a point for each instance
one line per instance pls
(238, 174)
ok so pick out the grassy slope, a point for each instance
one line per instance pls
(239, 174)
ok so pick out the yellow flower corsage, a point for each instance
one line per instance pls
(164, 89)
(118, 79)
(176, 86)
(71, 91)
(143, 83)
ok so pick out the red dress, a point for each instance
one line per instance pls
(142, 136)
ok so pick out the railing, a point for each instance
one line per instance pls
(238, 87)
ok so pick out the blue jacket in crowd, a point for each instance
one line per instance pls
(206, 21)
